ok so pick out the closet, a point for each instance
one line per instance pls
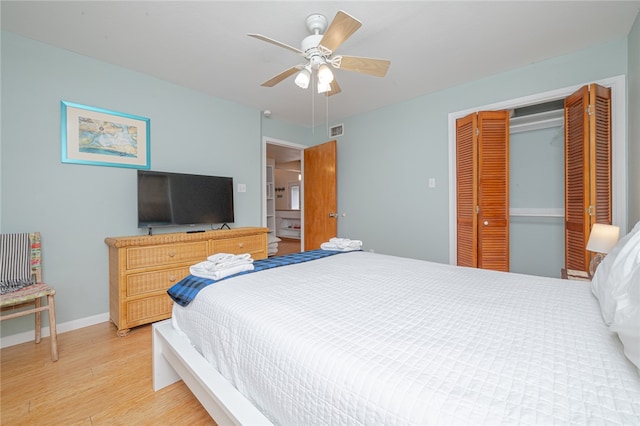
(482, 181)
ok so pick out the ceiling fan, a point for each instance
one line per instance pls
(319, 48)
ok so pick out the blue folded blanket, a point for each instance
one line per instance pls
(186, 290)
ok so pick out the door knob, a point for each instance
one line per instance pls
(486, 222)
(333, 214)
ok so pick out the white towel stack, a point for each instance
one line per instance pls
(272, 244)
(342, 244)
(222, 265)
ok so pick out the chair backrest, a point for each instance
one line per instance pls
(20, 260)
(36, 257)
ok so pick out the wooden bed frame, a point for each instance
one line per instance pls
(174, 359)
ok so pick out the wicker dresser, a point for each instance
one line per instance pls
(142, 268)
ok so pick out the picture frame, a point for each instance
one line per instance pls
(100, 137)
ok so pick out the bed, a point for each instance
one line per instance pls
(364, 338)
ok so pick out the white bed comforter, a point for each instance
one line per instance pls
(363, 338)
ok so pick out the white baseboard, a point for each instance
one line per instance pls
(29, 336)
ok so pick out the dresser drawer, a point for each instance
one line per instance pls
(250, 244)
(169, 254)
(152, 282)
(153, 308)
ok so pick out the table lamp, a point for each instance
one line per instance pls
(601, 240)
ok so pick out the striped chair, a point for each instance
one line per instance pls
(21, 283)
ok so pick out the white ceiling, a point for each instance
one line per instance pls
(432, 45)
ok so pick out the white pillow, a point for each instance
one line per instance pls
(627, 318)
(611, 277)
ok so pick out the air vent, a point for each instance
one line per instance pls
(337, 130)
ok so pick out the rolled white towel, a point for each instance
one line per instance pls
(204, 266)
(329, 246)
(221, 261)
(220, 257)
(198, 271)
(345, 242)
(342, 245)
(235, 260)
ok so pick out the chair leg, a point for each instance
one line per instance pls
(38, 303)
(52, 327)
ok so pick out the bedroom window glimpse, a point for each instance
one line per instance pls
(294, 196)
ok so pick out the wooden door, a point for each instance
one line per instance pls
(320, 195)
(466, 190)
(587, 170)
(482, 174)
(493, 190)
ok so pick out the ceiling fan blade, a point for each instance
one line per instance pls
(278, 78)
(277, 43)
(371, 66)
(340, 29)
(335, 88)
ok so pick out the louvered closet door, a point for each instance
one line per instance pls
(493, 190)
(466, 184)
(587, 169)
(482, 186)
(600, 152)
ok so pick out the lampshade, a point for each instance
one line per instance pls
(323, 87)
(602, 238)
(303, 78)
(325, 76)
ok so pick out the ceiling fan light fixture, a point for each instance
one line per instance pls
(325, 76)
(303, 78)
(323, 87)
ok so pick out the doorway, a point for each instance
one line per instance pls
(283, 205)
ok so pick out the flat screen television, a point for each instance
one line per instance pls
(171, 199)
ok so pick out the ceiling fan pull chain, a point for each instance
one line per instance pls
(326, 98)
(313, 105)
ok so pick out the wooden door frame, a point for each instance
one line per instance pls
(618, 147)
(273, 141)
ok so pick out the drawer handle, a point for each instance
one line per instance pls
(172, 253)
(241, 245)
(172, 278)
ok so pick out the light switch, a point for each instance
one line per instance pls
(242, 187)
(432, 182)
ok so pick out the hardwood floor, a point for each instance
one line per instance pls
(100, 379)
(288, 245)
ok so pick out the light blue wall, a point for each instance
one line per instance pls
(387, 156)
(77, 206)
(634, 124)
(384, 160)
(286, 132)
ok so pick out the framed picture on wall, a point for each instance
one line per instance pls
(100, 137)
